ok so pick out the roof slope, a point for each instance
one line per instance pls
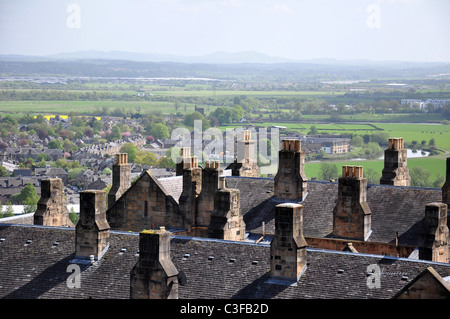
(213, 268)
(394, 209)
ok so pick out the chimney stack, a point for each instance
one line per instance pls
(395, 171)
(227, 222)
(434, 243)
(183, 160)
(192, 187)
(154, 276)
(121, 178)
(446, 187)
(291, 181)
(92, 230)
(245, 163)
(288, 254)
(51, 208)
(352, 214)
(210, 184)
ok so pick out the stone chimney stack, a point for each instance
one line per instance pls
(395, 171)
(192, 187)
(434, 243)
(121, 178)
(288, 248)
(245, 163)
(291, 181)
(446, 187)
(210, 184)
(183, 160)
(154, 276)
(352, 214)
(227, 222)
(51, 208)
(92, 230)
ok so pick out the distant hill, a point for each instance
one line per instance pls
(246, 65)
(213, 58)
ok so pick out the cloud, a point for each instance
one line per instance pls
(401, 2)
(277, 9)
(232, 3)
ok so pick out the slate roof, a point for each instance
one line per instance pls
(215, 269)
(394, 208)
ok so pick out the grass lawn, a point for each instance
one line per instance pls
(436, 166)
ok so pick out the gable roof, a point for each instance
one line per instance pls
(434, 283)
(35, 261)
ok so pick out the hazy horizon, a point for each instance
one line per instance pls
(374, 30)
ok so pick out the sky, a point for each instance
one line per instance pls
(406, 30)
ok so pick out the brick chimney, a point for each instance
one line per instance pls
(210, 184)
(92, 230)
(121, 176)
(154, 276)
(227, 222)
(434, 243)
(51, 207)
(288, 247)
(446, 187)
(352, 214)
(291, 181)
(395, 171)
(192, 186)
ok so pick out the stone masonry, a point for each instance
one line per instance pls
(395, 171)
(245, 163)
(121, 178)
(227, 222)
(288, 254)
(434, 245)
(290, 180)
(210, 184)
(352, 214)
(154, 276)
(446, 187)
(92, 230)
(51, 208)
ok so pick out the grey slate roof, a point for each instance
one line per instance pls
(38, 269)
(393, 208)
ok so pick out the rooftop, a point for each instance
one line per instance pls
(35, 260)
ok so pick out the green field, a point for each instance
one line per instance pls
(436, 166)
(89, 107)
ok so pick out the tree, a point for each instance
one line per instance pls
(116, 133)
(372, 176)
(27, 197)
(432, 142)
(146, 158)
(159, 130)
(74, 217)
(55, 144)
(238, 113)
(313, 130)
(357, 141)
(223, 115)
(328, 171)
(3, 171)
(190, 119)
(131, 150)
(419, 177)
